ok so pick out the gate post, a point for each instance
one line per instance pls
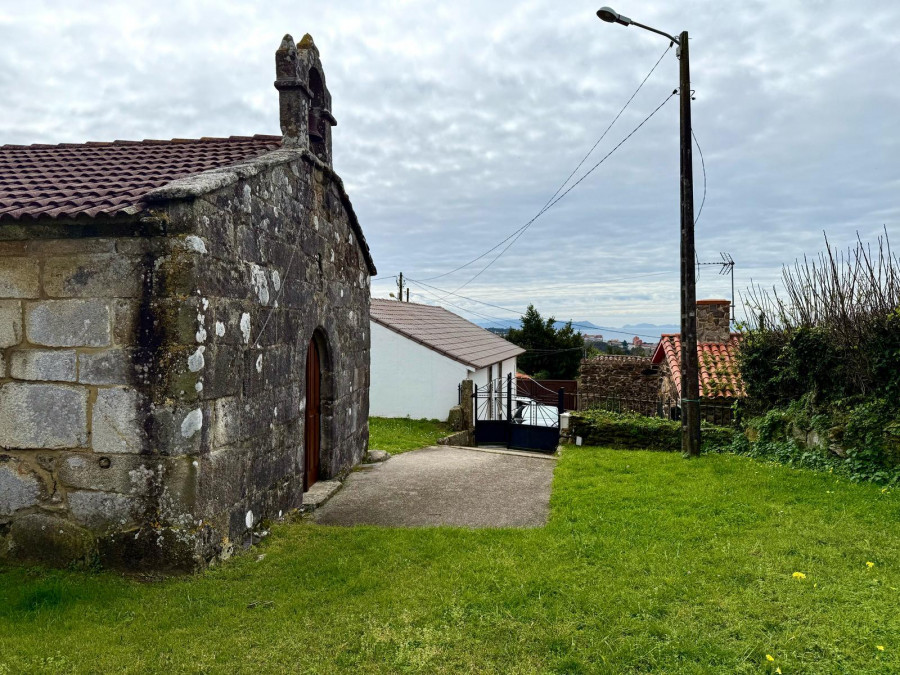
(560, 401)
(509, 421)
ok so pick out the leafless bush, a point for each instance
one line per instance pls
(840, 290)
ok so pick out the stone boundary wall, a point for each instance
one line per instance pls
(622, 377)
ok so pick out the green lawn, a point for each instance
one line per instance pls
(650, 563)
(399, 434)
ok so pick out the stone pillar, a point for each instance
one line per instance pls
(293, 95)
(467, 390)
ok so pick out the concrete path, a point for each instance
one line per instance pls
(445, 485)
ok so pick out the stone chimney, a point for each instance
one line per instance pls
(713, 321)
(304, 100)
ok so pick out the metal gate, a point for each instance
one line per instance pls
(502, 417)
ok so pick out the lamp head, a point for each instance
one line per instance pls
(609, 15)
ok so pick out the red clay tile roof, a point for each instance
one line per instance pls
(105, 179)
(719, 374)
(443, 332)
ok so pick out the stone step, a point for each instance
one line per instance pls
(318, 494)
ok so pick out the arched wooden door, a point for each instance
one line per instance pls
(313, 427)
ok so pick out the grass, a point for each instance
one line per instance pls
(400, 434)
(650, 563)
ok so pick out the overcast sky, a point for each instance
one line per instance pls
(458, 120)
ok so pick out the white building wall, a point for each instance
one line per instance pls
(408, 379)
(481, 377)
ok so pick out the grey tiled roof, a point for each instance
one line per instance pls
(443, 332)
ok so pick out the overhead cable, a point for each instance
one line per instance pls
(565, 182)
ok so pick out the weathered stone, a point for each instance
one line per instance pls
(19, 488)
(68, 247)
(125, 474)
(126, 314)
(17, 248)
(93, 276)
(42, 416)
(375, 456)
(180, 429)
(134, 246)
(102, 510)
(19, 278)
(632, 378)
(50, 540)
(116, 425)
(456, 419)
(10, 323)
(713, 320)
(68, 323)
(319, 494)
(44, 365)
(227, 421)
(113, 366)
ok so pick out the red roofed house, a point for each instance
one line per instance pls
(184, 335)
(420, 354)
(717, 347)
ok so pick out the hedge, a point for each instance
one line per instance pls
(630, 431)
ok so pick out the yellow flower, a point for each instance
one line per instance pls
(769, 657)
(778, 670)
(879, 647)
(798, 575)
(870, 565)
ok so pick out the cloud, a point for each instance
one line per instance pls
(457, 121)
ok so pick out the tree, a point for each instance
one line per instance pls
(553, 352)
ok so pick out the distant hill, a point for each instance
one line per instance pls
(651, 328)
(647, 331)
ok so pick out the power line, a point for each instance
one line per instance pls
(514, 311)
(568, 190)
(599, 282)
(568, 178)
(703, 166)
(502, 323)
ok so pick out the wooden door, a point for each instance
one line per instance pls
(313, 427)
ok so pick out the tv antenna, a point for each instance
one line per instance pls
(726, 267)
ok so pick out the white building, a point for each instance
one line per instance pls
(420, 354)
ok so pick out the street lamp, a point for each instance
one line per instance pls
(690, 381)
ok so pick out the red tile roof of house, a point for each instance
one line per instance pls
(443, 332)
(719, 373)
(70, 180)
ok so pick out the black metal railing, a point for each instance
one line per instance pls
(501, 400)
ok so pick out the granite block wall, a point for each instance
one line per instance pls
(152, 388)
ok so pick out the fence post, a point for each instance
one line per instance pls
(509, 397)
(475, 404)
(561, 401)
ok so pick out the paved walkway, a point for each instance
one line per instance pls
(443, 485)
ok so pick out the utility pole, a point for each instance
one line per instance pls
(400, 287)
(690, 378)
